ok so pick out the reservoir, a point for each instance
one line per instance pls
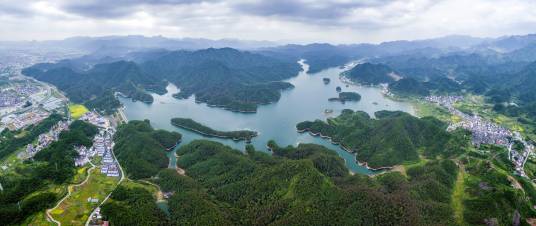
(276, 121)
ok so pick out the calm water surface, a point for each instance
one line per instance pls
(277, 121)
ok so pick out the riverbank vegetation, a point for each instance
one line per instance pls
(197, 127)
(141, 150)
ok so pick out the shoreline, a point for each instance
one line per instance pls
(365, 164)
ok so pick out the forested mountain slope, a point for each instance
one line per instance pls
(392, 138)
(304, 185)
(235, 80)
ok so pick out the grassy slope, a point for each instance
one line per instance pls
(458, 196)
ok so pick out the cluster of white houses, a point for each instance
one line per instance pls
(46, 139)
(102, 145)
(486, 132)
(95, 119)
(109, 163)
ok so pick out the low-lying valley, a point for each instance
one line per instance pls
(349, 140)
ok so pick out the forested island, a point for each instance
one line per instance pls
(346, 96)
(197, 127)
(390, 139)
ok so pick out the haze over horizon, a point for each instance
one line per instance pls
(291, 21)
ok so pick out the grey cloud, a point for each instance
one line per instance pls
(306, 10)
(115, 8)
(15, 8)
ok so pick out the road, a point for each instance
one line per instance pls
(69, 188)
(123, 177)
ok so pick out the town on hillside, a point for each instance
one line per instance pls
(486, 132)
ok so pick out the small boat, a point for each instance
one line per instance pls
(326, 80)
(328, 111)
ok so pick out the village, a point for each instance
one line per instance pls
(486, 132)
(24, 103)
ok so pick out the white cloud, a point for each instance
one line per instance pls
(338, 21)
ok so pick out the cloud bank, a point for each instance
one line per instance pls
(298, 21)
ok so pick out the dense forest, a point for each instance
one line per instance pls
(391, 138)
(25, 189)
(370, 74)
(141, 150)
(94, 85)
(133, 205)
(238, 81)
(346, 96)
(197, 127)
(228, 78)
(306, 185)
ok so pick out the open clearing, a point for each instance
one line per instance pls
(77, 110)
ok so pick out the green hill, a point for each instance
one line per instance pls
(304, 185)
(235, 80)
(390, 139)
(370, 74)
(141, 149)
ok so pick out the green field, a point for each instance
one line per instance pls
(458, 196)
(77, 110)
(75, 210)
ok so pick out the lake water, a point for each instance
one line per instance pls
(277, 121)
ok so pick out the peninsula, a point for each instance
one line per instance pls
(190, 124)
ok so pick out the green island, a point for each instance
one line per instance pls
(391, 138)
(346, 96)
(197, 127)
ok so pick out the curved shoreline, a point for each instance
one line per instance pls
(365, 164)
(214, 135)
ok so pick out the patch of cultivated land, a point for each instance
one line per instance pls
(77, 110)
(39, 219)
(458, 195)
(76, 209)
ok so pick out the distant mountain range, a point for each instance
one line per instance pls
(227, 77)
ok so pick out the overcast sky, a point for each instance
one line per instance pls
(298, 21)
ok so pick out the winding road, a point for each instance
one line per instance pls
(69, 188)
(123, 177)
